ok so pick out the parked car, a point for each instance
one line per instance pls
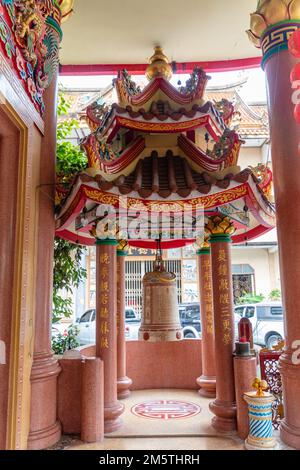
(189, 314)
(267, 321)
(87, 325)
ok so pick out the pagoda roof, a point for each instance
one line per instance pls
(159, 119)
(161, 185)
(102, 158)
(160, 88)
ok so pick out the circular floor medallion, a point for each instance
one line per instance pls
(166, 409)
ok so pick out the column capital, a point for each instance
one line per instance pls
(219, 228)
(122, 252)
(281, 17)
(204, 248)
(121, 248)
(203, 251)
(106, 241)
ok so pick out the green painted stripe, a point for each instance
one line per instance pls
(275, 50)
(204, 251)
(220, 238)
(107, 241)
(122, 253)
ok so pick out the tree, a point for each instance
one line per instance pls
(68, 271)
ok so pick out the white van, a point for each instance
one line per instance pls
(267, 321)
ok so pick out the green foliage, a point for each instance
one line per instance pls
(67, 340)
(67, 273)
(69, 158)
(275, 294)
(250, 299)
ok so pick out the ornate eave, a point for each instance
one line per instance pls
(110, 166)
(175, 121)
(243, 190)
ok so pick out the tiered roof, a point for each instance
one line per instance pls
(162, 147)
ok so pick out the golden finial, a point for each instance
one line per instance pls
(159, 65)
(270, 12)
(260, 386)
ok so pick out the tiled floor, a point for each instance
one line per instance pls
(144, 433)
(147, 433)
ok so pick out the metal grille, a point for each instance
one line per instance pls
(134, 272)
(242, 284)
(270, 373)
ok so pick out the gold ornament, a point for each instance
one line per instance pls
(66, 8)
(270, 12)
(219, 225)
(159, 65)
(123, 244)
(260, 386)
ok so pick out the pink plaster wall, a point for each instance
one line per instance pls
(161, 365)
(164, 365)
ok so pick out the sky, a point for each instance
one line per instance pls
(252, 91)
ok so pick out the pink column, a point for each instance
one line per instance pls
(92, 422)
(106, 329)
(224, 406)
(123, 381)
(285, 138)
(207, 381)
(45, 430)
(271, 28)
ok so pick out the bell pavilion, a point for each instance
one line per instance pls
(163, 172)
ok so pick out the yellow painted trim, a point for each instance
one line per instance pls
(16, 309)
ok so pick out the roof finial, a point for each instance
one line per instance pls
(159, 65)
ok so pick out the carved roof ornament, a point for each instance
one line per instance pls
(66, 8)
(219, 225)
(159, 65)
(269, 13)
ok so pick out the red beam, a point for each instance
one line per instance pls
(180, 67)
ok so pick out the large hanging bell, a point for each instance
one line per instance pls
(160, 315)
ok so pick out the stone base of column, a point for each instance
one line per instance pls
(225, 419)
(47, 437)
(112, 420)
(290, 425)
(207, 386)
(123, 385)
(45, 429)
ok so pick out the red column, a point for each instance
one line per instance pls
(224, 406)
(45, 429)
(123, 381)
(207, 381)
(285, 138)
(271, 28)
(106, 329)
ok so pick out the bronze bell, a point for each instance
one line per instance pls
(160, 315)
